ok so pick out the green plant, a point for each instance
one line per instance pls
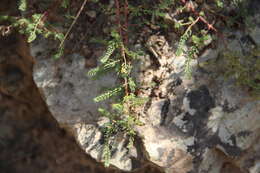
(190, 20)
(37, 25)
(117, 57)
(219, 3)
(243, 68)
(22, 5)
(192, 52)
(147, 12)
(121, 118)
(33, 26)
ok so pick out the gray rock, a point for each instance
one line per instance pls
(210, 121)
(69, 95)
(90, 138)
(203, 124)
(68, 91)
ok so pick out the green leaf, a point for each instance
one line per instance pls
(110, 49)
(104, 112)
(96, 72)
(220, 4)
(179, 51)
(125, 70)
(106, 154)
(200, 41)
(65, 3)
(182, 42)
(191, 19)
(188, 69)
(111, 64)
(59, 53)
(22, 21)
(118, 107)
(206, 37)
(196, 40)
(132, 54)
(31, 37)
(115, 35)
(30, 26)
(93, 72)
(108, 94)
(58, 36)
(132, 84)
(36, 17)
(159, 14)
(202, 13)
(22, 5)
(47, 34)
(134, 100)
(177, 25)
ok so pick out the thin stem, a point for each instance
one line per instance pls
(190, 26)
(73, 23)
(123, 54)
(38, 22)
(118, 17)
(122, 48)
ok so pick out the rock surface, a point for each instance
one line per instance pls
(31, 140)
(203, 124)
(69, 93)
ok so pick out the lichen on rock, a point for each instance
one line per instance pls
(206, 123)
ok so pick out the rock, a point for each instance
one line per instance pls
(166, 151)
(211, 122)
(69, 94)
(90, 138)
(31, 140)
(255, 34)
(205, 123)
(209, 54)
(56, 78)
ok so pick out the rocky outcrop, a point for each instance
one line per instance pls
(205, 123)
(69, 95)
(31, 140)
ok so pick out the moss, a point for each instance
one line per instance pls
(245, 69)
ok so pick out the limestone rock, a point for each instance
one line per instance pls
(69, 94)
(210, 123)
(68, 91)
(205, 123)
